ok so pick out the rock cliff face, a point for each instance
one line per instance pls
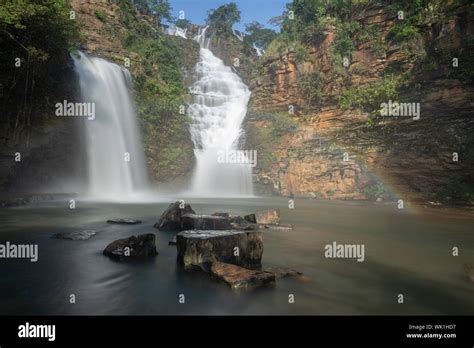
(52, 159)
(413, 157)
(170, 156)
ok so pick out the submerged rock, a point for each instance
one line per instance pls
(204, 222)
(170, 220)
(239, 277)
(283, 272)
(278, 226)
(199, 249)
(134, 247)
(469, 270)
(264, 217)
(124, 221)
(76, 235)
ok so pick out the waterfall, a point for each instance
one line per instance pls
(116, 164)
(176, 31)
(219, 107)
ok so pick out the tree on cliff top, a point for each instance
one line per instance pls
(161, 9)
(220, 20)
(259, 35)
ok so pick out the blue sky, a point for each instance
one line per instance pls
(251, 10)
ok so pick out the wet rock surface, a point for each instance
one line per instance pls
(238, 277)
(278, 226)
(204, 222)
(124, 221)
(264, 217)
(222, 214)
(76, 235)
(199, 249)
(172, 241)
(283, 272)
(170, 220)
(134, 247)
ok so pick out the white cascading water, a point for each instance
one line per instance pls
(113, 133)
(217, 112)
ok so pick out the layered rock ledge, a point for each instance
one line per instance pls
(204, 222)
(199, 249)
(238, 277)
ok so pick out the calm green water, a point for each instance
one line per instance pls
(405, 252)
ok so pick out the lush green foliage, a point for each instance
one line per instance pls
(458, 189)
(220, 20)
(183, 23)
(263, 139)
(369, 97)
(36, 38)
(100, 15)
(161, 9)
(160, 94)
(376, 190)
(258, 34)
(311, 85)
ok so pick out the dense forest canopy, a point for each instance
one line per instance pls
(36, 38)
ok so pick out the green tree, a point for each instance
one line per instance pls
(161, 9)
(259, 35)
(222, 19)
(36, 39)
(183, 23)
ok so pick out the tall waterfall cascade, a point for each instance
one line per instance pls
(219, 107)
(116, 164)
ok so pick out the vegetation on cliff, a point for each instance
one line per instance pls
(160, 92)
(36, 39)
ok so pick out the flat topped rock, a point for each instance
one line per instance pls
(124, 221)
(238, 277)
(207, 234)
(199, 249)
(204, 222)
(76, 235)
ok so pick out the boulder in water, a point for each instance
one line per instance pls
(199, 249)
(204, 222)
(264, 217)
(76, 235)
(124, 221)
(239, 223)
(170, 220)
(238, 277)
(134, 247)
